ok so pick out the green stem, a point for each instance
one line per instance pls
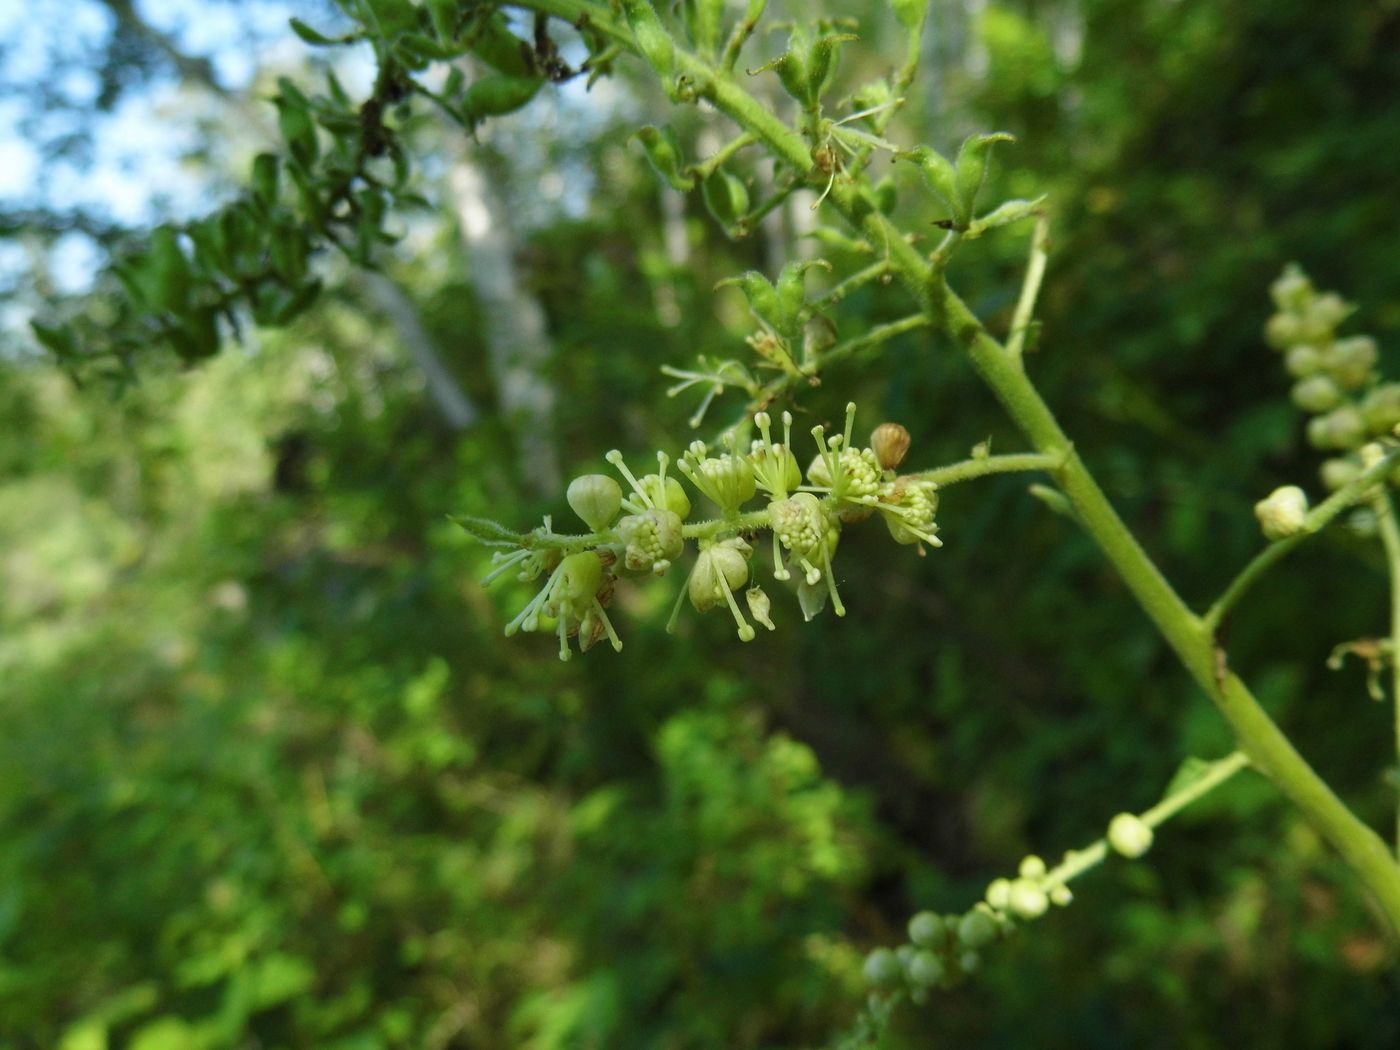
(980, 468)
(1390, 537)
(706, 167)
(1077, 862)
(1350, 494)
(1030, 288)
(1259, 736)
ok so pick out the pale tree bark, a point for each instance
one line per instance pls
(452, 403)
(517, 340)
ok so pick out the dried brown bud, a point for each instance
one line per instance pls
(891, 443)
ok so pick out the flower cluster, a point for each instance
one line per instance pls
(645, 530)
(943, 950)
(1336, 378)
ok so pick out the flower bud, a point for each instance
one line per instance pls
(1381, 408)
(969, 961)
(596, 499)
(1303, 361)
(1327, 310)
(977, 929)
(1032, 867)
(1338, 473)
(1284, 330)
(883, 968)
(1342, 428)
(891, 444)
(1292, 291)
(1128, 835)
(1061, 895)
(926, 929)
(925, 969)
(1283, 513)
(999, 894)
(1317, 393)
(1027, 899)
(1352, 361)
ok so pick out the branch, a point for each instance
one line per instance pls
(1347, 496)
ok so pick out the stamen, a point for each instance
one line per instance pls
(850, 423)
(564, 653)
(607, 625)
(836, 605)
(779, 571)
(529, 617)
(675, 616)
(814, 574)
(615, 458)
(746, 631)
(504, 564)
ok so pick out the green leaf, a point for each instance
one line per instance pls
(266, 168)
(498, 94)
(59, 340)
(973, 160)
(312, 36)
(486, 530)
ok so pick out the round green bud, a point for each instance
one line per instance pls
(1284, 330)
(1381, 408)
(1327, 310)
(1292, 291)
(1283, 513)
(1303, 361)
(1032, 867)
(969, 961)
(1342, 428)
(1317, 393)
(1061, 896)
(999, 894)
(977, 929)
(882, 968)
(1353, 361)
(1027, 899)
(1129, 835)
(596, 499)
(1338, 473)
(925, 969)
(926, 929)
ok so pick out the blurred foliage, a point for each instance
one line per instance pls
(269, 777)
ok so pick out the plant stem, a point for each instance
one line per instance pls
(1030, 288)
(1259, 736)
(1318, 518)
(1390, 537)
(979, 468)
(1077, 862)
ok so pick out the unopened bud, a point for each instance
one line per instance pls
(1338, 473)
(891, 444)
(1027, 899)
(1317, 393)
(596, 498)
(1283, 513)
(1129, 835)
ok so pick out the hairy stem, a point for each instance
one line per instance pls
(979, 468)
(1390, 537)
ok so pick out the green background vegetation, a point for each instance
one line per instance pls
(269, 776)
